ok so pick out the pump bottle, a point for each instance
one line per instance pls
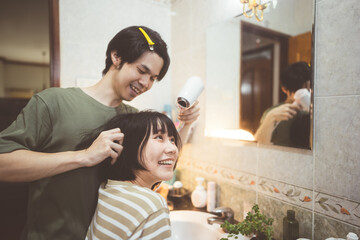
(198, 196)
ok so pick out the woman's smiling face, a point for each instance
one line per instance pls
(159, 157)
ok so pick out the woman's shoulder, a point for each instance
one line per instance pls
(152, 196)
(141, 195)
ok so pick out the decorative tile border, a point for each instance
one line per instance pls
(332, 206)
(339, 208)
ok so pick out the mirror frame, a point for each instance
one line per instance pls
(54, 43)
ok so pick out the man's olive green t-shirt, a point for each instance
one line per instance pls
(294, 132)
(55, 120)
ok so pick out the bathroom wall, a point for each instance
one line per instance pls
(86, 27)
(322, 185)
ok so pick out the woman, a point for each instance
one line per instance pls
(127, 207)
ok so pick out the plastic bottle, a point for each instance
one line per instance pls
(352, 236)
(290, 226)
(177, 188)
(198, 196)
(211, 196)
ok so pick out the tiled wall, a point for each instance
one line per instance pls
(323, 185)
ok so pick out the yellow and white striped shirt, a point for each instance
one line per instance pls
(128, 211)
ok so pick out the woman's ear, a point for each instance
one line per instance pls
(116, 60)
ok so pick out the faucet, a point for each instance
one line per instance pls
(223, 213)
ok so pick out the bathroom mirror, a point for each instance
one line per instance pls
(244, 61)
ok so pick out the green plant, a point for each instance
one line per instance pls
(254, 223)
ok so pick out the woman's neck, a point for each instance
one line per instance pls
(140, 182)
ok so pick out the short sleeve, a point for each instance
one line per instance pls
(31, 129)
(156, 226)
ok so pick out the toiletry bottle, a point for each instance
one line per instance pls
(177, 188)
(211, 196)
(290, 226)
(352, 236)
(198, 196)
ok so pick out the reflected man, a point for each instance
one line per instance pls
(287, 123)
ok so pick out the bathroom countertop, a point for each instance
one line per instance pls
(183, 203)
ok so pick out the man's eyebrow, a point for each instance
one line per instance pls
(147, 70)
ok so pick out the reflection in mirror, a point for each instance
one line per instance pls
(245, 69)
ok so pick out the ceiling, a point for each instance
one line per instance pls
(24, 30)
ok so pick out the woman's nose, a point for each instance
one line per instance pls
(171, 147)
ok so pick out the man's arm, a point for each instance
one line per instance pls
(283, 112)
(188, 116)
(25, 165)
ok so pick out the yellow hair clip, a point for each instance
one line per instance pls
(151, 43)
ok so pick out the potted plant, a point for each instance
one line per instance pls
(255, 223)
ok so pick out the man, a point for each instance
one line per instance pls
(39, 147)
(276, 122)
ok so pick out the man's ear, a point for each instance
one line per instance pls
(116, 60)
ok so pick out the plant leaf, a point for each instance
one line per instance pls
(289, 192)
(333, 208)
(324, 207)
(344, 211)
(269, 189)
(297, 193)
(322, 200)
(307, 199)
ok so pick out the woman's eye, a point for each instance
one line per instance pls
(172, 140)
(158, 137)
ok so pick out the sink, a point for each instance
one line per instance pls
(192, 225)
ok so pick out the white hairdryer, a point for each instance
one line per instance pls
(190, 92)
(303, 99)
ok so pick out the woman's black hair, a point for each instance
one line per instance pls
(295, 75)
(136, 128)
(130, 44)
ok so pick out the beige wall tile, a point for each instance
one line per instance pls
(293, 166)
(337, 48)
(325, 227)
(337, 138)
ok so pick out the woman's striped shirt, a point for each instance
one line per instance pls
(128, 211)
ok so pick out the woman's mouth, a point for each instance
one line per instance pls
(166, 162)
